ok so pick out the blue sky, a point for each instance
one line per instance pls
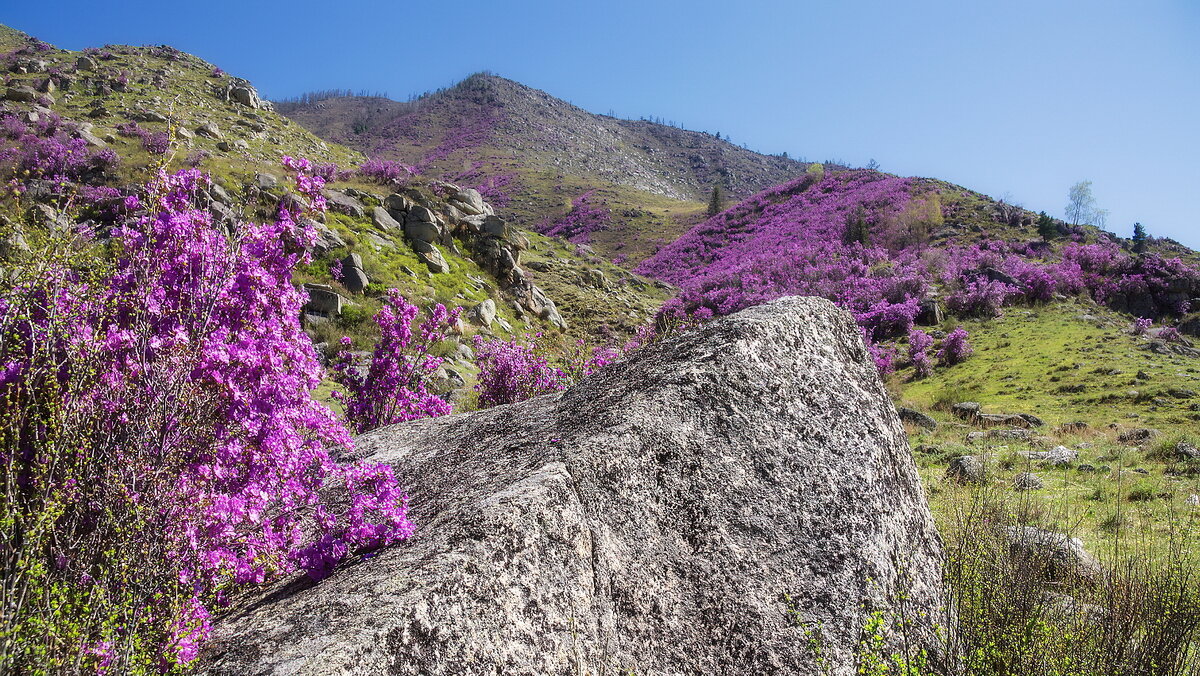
(1016, 98)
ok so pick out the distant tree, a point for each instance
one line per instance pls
(1081, 206)
(1046, 227)
(857, 227)
(873, 165)
(817, 171)
(716, 202)
(718, 136)
(785, 155)
(1139, 238)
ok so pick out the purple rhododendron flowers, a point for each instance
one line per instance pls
(181, 374)
(392, 387)
(955, 348)
(850, 237)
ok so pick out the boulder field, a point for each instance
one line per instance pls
(739, 498)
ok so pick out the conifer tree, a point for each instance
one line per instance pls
(715, 202)
(1046, 227)
(1139, 238)
(857, 227)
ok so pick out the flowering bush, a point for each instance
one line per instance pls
(157, 143)
(512, 371)
(392, 387)
(980, 297)
(919, 343)
(1171, 334)
(385, 171)
(584, 218)
(1141, 326)
(161, 444)
(792, 240)
(955, 348)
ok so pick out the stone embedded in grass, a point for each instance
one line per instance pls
(917, 418)
(1056, 457)
(966, 409)
(1060, 556)
(1027, 481)
(1136, 435)
(967, 469)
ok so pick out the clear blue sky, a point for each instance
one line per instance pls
(1018, 98)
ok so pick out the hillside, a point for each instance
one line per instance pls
(145, 108)
(536, 155)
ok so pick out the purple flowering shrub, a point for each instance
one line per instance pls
(1141, 326)
(919, 343)
(47, 150)
(1171, 334)
(980, 297)
(385, 171)
(955, 348)
(162, 446)
(392, 387)
(516, 370)
(585, 217)
(792, 240)
(156, 143)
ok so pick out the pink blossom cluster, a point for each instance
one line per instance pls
(177, 380)
(850, 237)
(393, 386)
(516, 370)
(919, 343)
(587, 215)
(47, 150)
(385, 171)
(955, 348)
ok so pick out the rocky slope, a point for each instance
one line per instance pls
(156, 107)
(739, 499)
(541, 153)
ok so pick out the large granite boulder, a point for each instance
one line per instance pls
(718, 503)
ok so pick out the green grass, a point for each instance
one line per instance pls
(1051, 362)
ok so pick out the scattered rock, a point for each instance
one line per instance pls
(967, 469)
(1028, 481)
(1055, 457)
(1136, 435)
(917, 418)
(484, 313)
(671, 513)
(344, 204)
(245, 95)
(353, 276)
(381, 219)
(1071, 428)
(209, 130)
(1169, 348)
(1000, 420)
(1060, 557)
(21, 94)
(1192, 500)
(966, 409)
(469, 201)
(1005, 434)
(1186, 451)
(1032, 420)
(432, 257)
(323, 300)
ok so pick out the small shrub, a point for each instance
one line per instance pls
(955, 348)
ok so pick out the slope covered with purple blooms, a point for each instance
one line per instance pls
(876, 244)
